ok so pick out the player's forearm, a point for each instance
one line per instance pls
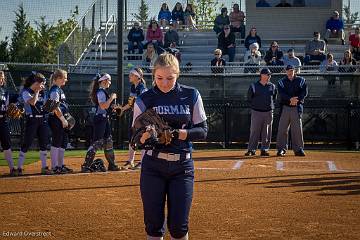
(198, 132)
(34, 99)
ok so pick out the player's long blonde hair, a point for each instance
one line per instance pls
(166, 60)
(59, 73)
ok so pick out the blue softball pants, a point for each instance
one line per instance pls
(4, 134)
(59, 135)
(35, 127)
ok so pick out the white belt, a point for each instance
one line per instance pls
(168, 156)
(1, 116)
(35, 116)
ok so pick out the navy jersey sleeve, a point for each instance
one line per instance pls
(199, 129)
(303, 90)
(284, 97)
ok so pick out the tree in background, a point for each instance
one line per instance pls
(4, 50)
(143, 14)
(350, 18)
(206, 10)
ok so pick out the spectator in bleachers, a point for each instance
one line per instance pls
(252, 38)
(221, 20)
(237, 19)
(189, 17)
(335, 28)
(164, 16)
(347, 62)
(226, 42)
(315, 49)
(274, 56)
(283, 3)
(348, 65)
(354, 42)
(135, 37)
(291, 59)
(252, 58)
(299, 3)
(171, 36)
(218, 62)
(177, 15)
(149, 56)
(174, 51)
(329, 65)
(262, 3)
(154, 35)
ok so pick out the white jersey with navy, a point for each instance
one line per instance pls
(4, 100)
(181, 108)
(26, 95)
(57, 94)
(137, 90)
(102, 96)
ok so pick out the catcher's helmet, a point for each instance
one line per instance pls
(98, 165)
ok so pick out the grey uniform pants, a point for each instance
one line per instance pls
(290, 117)
(261, 128)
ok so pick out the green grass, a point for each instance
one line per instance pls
(33, 156)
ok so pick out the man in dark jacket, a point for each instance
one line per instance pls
(221, 20)
(171, 36)
(135, 37)
(226, 42)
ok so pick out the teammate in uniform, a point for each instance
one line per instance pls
(102, 130)
(138, 86)
(167, 172)
(292, 91)
(58, 124)
(4, 127)
(261, 96)
(33, 96)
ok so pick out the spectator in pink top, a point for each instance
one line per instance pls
(237, 19)
(155, 36)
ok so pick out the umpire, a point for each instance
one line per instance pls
(292, 92)
(261, 96)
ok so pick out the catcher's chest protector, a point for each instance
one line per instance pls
(3, 99)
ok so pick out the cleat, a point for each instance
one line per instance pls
(113, 167)
(137, 166)
(281, 153)
(129, 164)
(13, 172)
(20, 172)
(57, 170)
(65, 169)
(85, 169)
(250, 153)
(46, 171)
(300, 153)
(264, 153)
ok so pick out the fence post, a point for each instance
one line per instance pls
(226, 125)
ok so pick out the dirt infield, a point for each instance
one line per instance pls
(236, 197)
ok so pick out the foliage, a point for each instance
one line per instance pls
(350, 18)
(143, 14)
(206, 10)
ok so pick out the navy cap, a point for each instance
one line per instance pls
(289, 67)
(265, 71)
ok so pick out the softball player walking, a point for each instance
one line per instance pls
(292, 91)
(167, 173)
(4, 126)
(33, 96)
(58, 123)
(261, 96)
(102, 130)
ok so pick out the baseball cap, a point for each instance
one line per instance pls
(265, 71)
(290, 67)
(336, 13)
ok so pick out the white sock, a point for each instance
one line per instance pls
(54, 154)
(8, 157)
(131, 154)
(21, 159)
(43, 156)
(186, 237)
(153, 238)
(61, 153)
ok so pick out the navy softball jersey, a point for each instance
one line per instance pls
(4, 127)
(135, 91)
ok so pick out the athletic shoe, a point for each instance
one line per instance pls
(85, 169)
(113, 167)
(65, 169)
(20, 172)
(137, 166)
(264, 153)
(57, 170)
(250, 153)
(13, 172)
(46, 171)
(300, 153)
(129, 164)
(281, 153)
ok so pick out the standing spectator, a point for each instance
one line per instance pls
(177, 15)
(274, 56)
(135, 37)
(292, 92)
(154, 35)
(354, 42)
(261, 95)
(218, 63)
(164, 16)
(189, 17)
(335, 28)
(237, 19)
(283, 3)
(252, 38)
(171, 36)
(291, 59)
(315, 49)
(329, 65)
(262, 3)
(221, 20)
(252, 58)
(150, 56)
(226, 42)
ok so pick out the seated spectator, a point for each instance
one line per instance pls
(177, 15)
(283, 3)
(135, 37)
(164, 16)
(315, 49)
(149, 56)
(237, 19)
(299, 3)
(329, 65)
(218, 62)
(174, 51)
(221, 20)
(274, 55)
(354, 42)
(252, 58)
(252, 38)
(171, 36)
(262, 3)
(226, 42)
(335, 28)
(347, 62)
(291, 59)
(189, 17)
(154, 35)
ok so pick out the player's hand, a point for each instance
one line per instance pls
(113, 96)
(64, 122)
(146, 135)
(294, 101)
